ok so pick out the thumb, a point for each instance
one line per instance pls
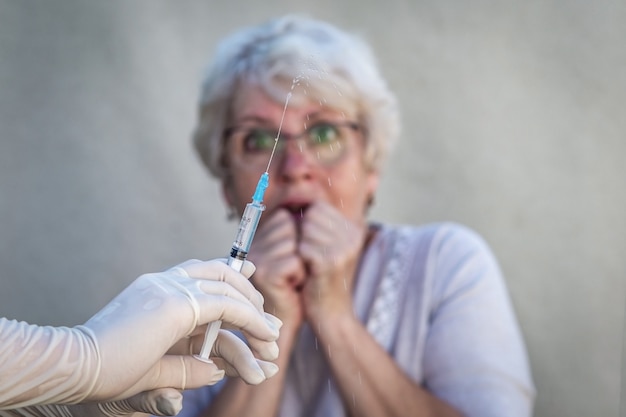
(248, 269)
(158, 402)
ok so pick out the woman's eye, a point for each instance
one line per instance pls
(258, 141)
(324, 134)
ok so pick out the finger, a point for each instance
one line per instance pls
(222, 290)
(279, 228)
(326, 220)
(181, 372)
(192, 344)
(261, 252)
(269, 369)
(159, 402)
(185, 346)
(322, 229)
(217, 270)
(238, 359)
(180, 270)
(239, 313)
(248, 269)
(188, 262)
(264, 350)
(283, 271)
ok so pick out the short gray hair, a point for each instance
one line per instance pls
(275, 56)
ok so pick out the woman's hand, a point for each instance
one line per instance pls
(280, 271)
(330, 246)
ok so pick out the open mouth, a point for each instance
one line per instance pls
(297, 210)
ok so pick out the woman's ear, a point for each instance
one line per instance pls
(371, 185)
(227, 193)
(372, 181)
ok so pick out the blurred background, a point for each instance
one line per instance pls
(514, 124)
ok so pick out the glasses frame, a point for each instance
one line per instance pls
(286, 137)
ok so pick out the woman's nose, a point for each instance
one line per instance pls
(294, 161)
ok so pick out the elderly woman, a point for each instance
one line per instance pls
(379, 320)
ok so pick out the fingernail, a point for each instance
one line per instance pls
(169, 404)
(255, 374)
(269, 368)
(274, 321)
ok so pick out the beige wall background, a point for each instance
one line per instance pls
(514, 124)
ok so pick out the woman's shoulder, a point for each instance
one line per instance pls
(441, 250)
(435, 234)
(456, 259)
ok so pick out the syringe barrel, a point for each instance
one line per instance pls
(247, 228)
(239, 252)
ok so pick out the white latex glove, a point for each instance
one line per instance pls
(123, 349)
(160, 402)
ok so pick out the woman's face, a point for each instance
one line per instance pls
(301, 172)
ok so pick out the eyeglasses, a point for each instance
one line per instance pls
(325, 141)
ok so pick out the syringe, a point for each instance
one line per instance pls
(243, 240)
(238, 254)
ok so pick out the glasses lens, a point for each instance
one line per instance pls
(249, 147)
(258, 141)
(326, 141)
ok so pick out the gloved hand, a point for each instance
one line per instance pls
(159, 402)
(140, 340)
